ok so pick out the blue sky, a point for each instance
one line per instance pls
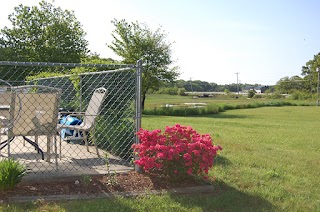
(263, 40)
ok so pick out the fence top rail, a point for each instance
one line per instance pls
(47, 64)
(82, 74)
(22, 87)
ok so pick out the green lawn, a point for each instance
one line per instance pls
(271, 153)
(270, 161)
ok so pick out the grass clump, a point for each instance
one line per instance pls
(184, 111)
(11, 173)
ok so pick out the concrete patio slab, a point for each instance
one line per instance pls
(75, 159)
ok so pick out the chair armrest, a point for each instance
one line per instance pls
(60, 115)
(71, 113)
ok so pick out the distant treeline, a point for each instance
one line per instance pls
(181, 86)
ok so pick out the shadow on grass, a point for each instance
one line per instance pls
(221, 115)
(226, 116)
(221, 161)
(97, 205)
(224, 198)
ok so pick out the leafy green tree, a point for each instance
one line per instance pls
(310, 74)
(283, 85)
(291, 84)
(43, 33)
(251, 94)
(233, 87)
(134, 41)
(195, 85)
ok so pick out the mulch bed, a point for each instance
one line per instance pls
(89, 185)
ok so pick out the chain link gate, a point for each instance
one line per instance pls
(115, 116)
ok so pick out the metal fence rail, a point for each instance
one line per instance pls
(114, 128)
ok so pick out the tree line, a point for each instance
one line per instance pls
(180, 86)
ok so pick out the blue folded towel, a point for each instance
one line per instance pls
(67, 121)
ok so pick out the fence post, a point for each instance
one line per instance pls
(137, 168)
(80, 92)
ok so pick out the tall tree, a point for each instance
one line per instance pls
(289, 85)
(310, 74)
(43, 33)
(134, 41)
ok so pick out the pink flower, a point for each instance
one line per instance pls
(196, 152)
(187, 156)
(179, 146)
(161, 155)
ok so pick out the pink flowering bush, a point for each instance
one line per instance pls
(179, 152)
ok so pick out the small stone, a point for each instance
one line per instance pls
(76, 182)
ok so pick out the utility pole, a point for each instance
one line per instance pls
(318, 86)
(191, 84)
(237, 82)
(309, 72)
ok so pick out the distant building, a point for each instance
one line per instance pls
(261, 89)
(257, 89)
(247, 89)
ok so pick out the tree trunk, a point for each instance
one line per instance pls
(143, 100)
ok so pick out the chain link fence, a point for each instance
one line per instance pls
(104, 130)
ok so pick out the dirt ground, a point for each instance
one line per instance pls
(124, 182)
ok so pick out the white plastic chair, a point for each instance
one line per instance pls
(89, 117)
(33, 112)
(5, 99)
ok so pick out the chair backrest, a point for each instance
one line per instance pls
(94, 107)
(5, 100)
(34, 110)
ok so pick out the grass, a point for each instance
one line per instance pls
(158, 100)
(156, 104)
(155, 203)
(272, 153)
(270, 161)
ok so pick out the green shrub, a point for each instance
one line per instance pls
(228, 107)
(11, 173)
(212, 109)
(301, 95)
(182, 92)
(251, 94)
(276, 95)
(115, 134)
(183, 111)
(168, 90)
(258, 96)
